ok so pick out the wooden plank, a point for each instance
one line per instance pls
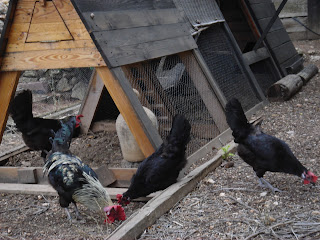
(20, 47)
(91, 101)
(66, 9)
(256, 56)
(284, 52)
(77, 29)
(106, 5)
(63, 58)
(278, 37)
(4, 156)
(125, 37)
(205, 90)
(150, 212)
(38, 189)
(103, 21)
(263, 10)
(10, 174)
(314, 18)
(131, 109)
(8, 85)
(43, 3)
(124, 55)
(276, 26)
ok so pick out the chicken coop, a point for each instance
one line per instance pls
(187, 57)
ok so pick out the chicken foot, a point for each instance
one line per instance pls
(264, 183)
(78, 217)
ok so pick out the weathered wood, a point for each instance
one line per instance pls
(27, 175)
(128, 54)
(150, 212)
(285, 88)
(38, 189)
(10, 174)
(103, 126)
(131, 110)
(19, 149)
(8, 85)
(90, 101)
(276, 25)
(277, 37)
(314, 17)
(103, 21)
(256, 56)
(263, 10)
(308, 72)
(105, 5)
(63, 58)
(106, 176)
(284, 52)
(43, 3)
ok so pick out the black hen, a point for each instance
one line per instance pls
(35, 131)
(262, 151)
(161, 169)
(75, 181)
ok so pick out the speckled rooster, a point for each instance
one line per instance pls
(75, 181)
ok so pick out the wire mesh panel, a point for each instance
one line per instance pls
(167, 87)
(55, 93)
(219, 55)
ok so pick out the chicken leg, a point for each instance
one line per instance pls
(264, 183)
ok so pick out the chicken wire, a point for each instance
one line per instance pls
(166, 88)
(220, 57)
(56, 94)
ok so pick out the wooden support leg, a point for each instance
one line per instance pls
(128, 105)
(8, 85)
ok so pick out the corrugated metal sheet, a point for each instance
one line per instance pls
(200, 13)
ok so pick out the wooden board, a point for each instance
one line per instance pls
(284, 52)
(39, 189)
(263, 10)
(256, 56)
(277, 37)
(8, 85)
(103, 21)
(10, 174)
(161, 203)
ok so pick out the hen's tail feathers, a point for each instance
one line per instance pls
(179, 136)
(21, 108)
(62, 138)
(237, 120)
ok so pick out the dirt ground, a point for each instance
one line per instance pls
(227, 204)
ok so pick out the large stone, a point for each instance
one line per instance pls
(32, 74)
(63, 85)
(74, 80)
(28, 79)
(128, 144)
(79, 90)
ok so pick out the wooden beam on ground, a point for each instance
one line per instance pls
(38, 189)
(129, 106)
(160, 204)
(256, 56)
(11, 174)
(8, 86)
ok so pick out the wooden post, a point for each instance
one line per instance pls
(314, 18)
(126, 108)
(8, 85)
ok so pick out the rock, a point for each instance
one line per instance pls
(28, 79)
(3, 8)
(68, 75)
(74, 80)
(315, 213)
(41, 72)
(55, 73)
(222, 194)
(63, 85)
(128, 144)
(30, 74)
(263, 194)
(79, 90)
(229, 165)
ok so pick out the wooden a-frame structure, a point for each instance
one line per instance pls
(51, 35)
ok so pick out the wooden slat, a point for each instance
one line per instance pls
(124, 55)
(10, 174)
(66, 9)
(90, 102)
(103, 21)
(131, 109)
(150, 212)
(106, 5)
(64, 58)
(125, 37)
(263, 10)
(276, 26)
(278, 37)
(8, 85)
(77, 29)
(38, 189)
(284, 52)
(256, 56)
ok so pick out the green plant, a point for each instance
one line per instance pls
(226, 154)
